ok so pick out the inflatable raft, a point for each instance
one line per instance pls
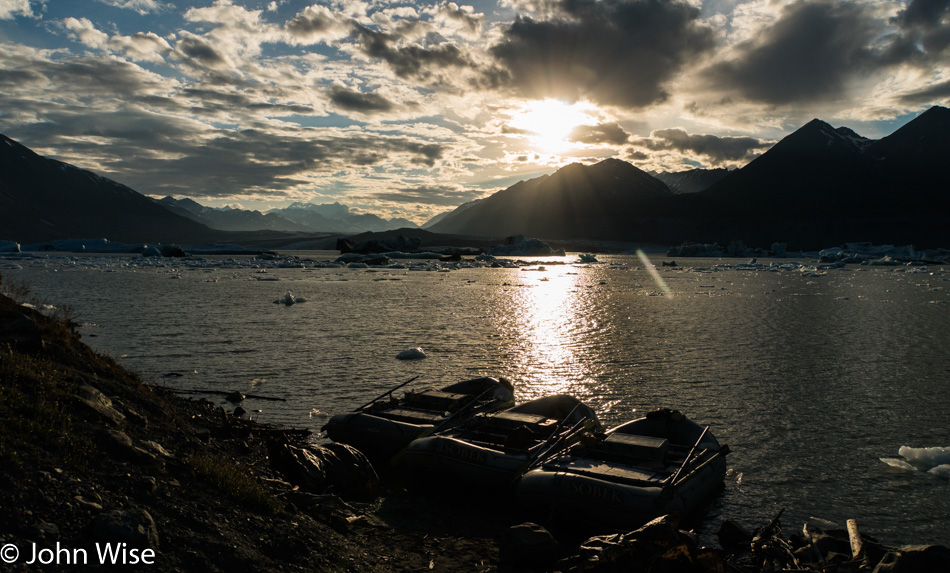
(660, 464)
(385, 426)
(492, 449)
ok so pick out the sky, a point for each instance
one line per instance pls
(408, 109)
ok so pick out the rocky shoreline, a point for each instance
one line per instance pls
(98, 469)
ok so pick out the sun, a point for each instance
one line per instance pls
(548, 123)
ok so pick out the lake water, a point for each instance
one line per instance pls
(810, 375)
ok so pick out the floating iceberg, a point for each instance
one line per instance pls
(517, 245)
(289, 299)
(411, 354)
(9, 247)
(935, 461)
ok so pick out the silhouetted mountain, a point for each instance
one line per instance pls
(818, 186)
(692, 180)
(44, 199)
(821, 185)
(915, 155)
(445, 214)
(228, 219)
(577, 201)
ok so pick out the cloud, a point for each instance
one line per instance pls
(461, 19)
(614, 52)
(719, 150)
(315, 24)
(440, 195)
(928, 96)
(812, 53)
(9, 9)
(610, 133)
(141, 46)
(199, 53)
(926, 27)
(411, 60)
(84, 31)
(141, 6)
(353, 100)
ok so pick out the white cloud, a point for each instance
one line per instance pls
(12, 8)
(141, 6)
(85, 31)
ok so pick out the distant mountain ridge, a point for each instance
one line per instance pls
(229, 219)
(296, 217)
(337, 218)
(692, 180)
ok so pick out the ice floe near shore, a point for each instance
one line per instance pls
(849, 253)
(934, 461)
(105, 246)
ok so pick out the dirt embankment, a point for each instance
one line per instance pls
(91, 458)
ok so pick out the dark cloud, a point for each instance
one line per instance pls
(441, 195)
(932, 94)
(610, 133)
(925, 27)
(258, 161)
(810, 54)
(634, 155)
(310, 22)
(617, 52)
(352, 100)
(924, 13)
(212, 102)
(413, 60)
(19, 78)
(198, 52)
(717, 149)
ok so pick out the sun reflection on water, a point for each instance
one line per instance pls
(550, 320)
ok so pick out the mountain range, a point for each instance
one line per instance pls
(819, 186)
(297, 217)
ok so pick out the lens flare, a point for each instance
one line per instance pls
(651, 268)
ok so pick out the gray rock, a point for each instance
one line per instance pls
(101, 403)
(15, 323)
(132, 526)
(527, 545)
(913, 558)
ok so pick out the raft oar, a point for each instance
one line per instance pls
(668, 488)
(544, 453)
(384, 394)
(397, 457)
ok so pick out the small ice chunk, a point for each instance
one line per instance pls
(899, 464)
(925, 458)
(411, 354)
(935, 460)
(941, 471)
(289, 299)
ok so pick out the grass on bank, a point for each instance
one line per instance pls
(35, 392)
(40, 374)
(233, 481)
